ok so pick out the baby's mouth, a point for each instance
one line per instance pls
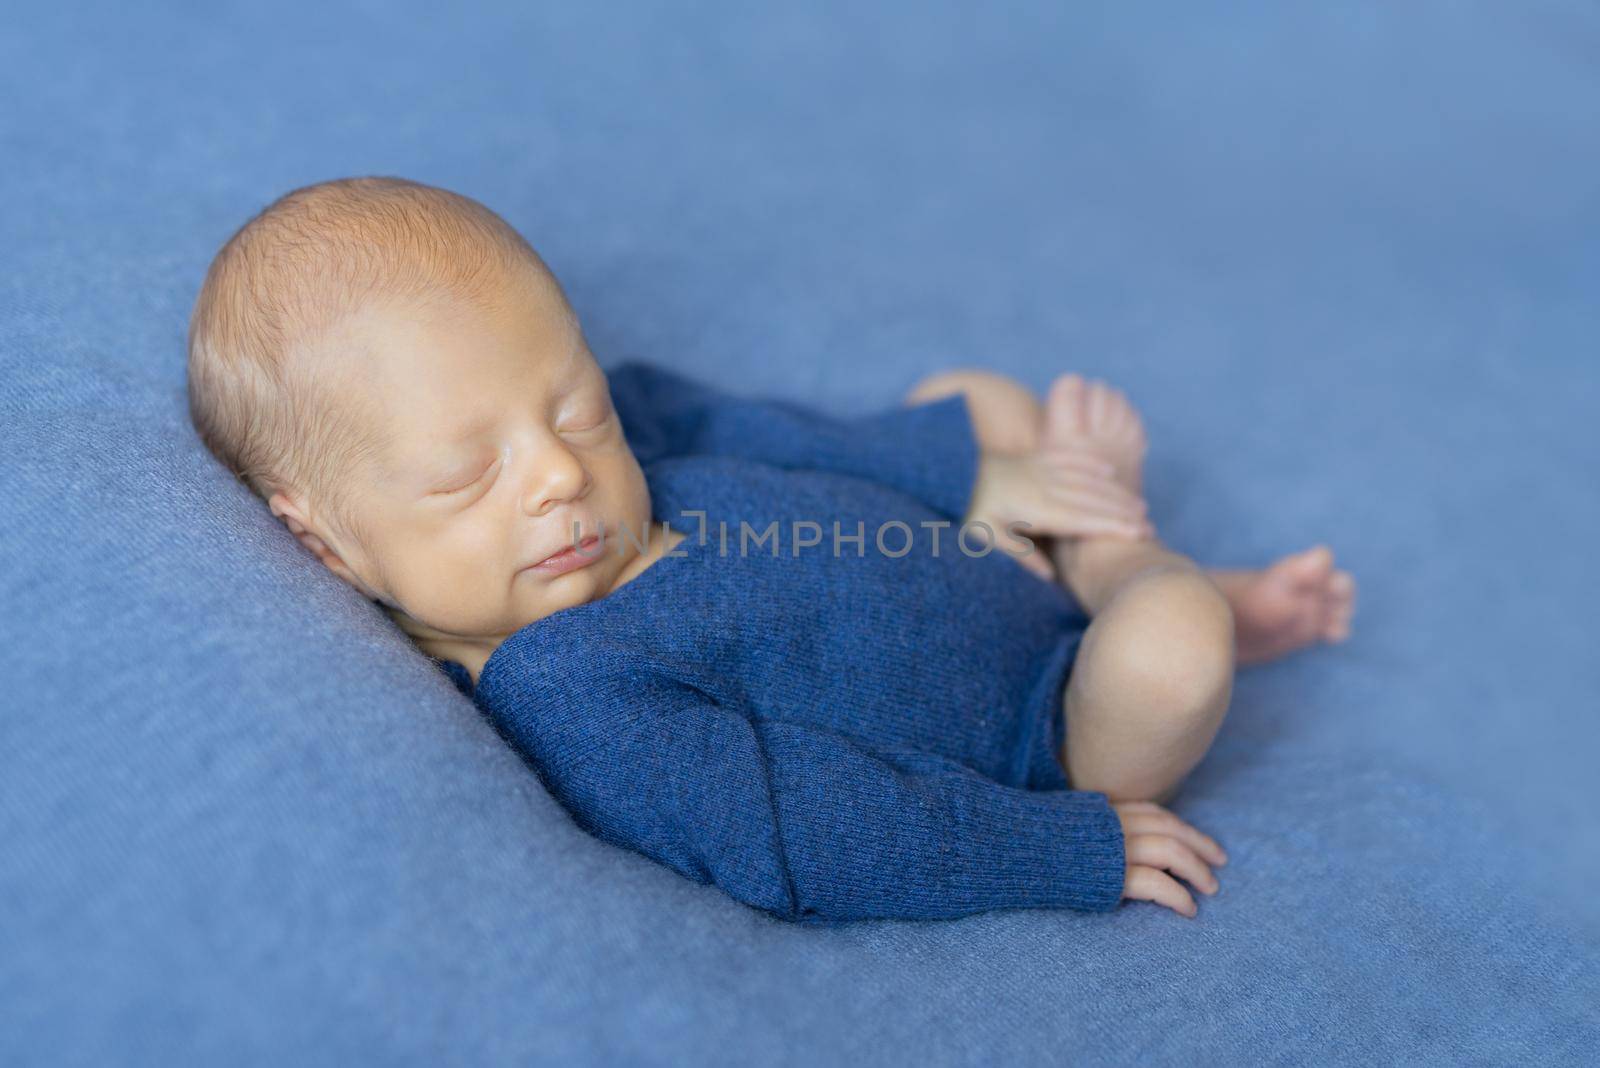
(570, 557)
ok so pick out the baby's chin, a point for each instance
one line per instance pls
(532, 598)
(541, 594)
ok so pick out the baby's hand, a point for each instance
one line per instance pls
(1157, 842)
(1057, 492)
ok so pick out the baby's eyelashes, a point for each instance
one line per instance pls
(457, 486)
(588, 424)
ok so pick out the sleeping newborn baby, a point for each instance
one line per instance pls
(915, 664)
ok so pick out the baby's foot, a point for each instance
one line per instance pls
(1297, 601)
(1094, 417)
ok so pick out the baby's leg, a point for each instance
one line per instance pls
(1299, 600)
(1154, 674)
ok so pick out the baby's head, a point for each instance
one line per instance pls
(399, 375)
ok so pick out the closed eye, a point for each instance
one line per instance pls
(600, 424)
(473, 481)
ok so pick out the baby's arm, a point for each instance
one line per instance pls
(927, 451)
(810, 825)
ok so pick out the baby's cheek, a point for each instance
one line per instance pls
(631, 494)
(453, 586)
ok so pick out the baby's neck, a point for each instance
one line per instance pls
(471, 652)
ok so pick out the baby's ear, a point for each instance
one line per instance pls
(294, 517)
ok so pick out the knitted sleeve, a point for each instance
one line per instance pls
(928, 451)
(810, 825)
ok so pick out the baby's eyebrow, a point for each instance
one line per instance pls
(470, 428)
(477, 424)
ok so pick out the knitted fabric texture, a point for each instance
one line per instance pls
(826, 728)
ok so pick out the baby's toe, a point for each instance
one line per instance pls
(1342, 586)
(1119, 413)
(1341, 606)
(1099, 407)
(1064, 408)
(1133, 435)
(1310, 569)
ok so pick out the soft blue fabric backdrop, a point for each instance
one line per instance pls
(1344, 257)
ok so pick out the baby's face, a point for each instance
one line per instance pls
(495, 435)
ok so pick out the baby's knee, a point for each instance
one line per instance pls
(1006, 416)
(1174, 645)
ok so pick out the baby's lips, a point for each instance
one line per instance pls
(583, 547)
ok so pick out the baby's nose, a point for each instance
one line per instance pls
(559, 477)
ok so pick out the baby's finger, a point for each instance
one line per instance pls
(1097, 499)
(1101, 496)
(1065, 479)
(1161, 851)
(1037, 563)
(1079, 521)
(1150, 884)
(1182, 832)
(1082, 459)
(1056, 514)
(1077, 465)
(1147, 817)
(1075, 524)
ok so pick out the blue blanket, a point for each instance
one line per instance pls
(1342, 257)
